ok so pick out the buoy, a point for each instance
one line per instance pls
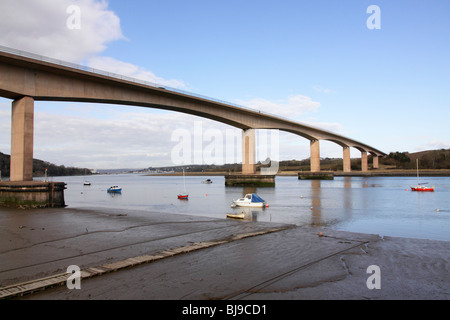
(206, 195)
(320, 234)
(267, 205)
(301, 197)
(311, 208)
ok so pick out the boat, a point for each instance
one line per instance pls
(207, 181)
(184, 195)
(86, 183)
(236, 215)
(114, 189)
(250, 200)
(420, 187)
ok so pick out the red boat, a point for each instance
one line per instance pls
(421, 187)
(184, 195)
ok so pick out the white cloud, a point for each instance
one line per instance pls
(130, 70)
(41, 27)
(433, 145)
(323, 90)
(329, 126)
(293, 106)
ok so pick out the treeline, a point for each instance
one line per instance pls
(433, 159)
(40, 166)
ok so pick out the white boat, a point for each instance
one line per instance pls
(86, 183)
(250, 200)
(207, 181)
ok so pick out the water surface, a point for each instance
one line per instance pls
(378, 205)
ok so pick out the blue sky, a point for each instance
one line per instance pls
(313, 61)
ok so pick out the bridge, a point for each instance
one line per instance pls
(26, 77)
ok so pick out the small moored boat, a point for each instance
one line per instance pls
(184, 195)
(236, 215)
(207, 181)
(250, 200)
(114, 189)
(421, 186)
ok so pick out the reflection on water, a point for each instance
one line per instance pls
(379, 205)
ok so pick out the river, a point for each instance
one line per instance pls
(376, 205)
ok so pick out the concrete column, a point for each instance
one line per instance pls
(347, 161)
(375, 162)
(315, 156)
(248, 152)
(364, 166)
(22, 127)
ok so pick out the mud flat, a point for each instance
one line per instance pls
(200, 258)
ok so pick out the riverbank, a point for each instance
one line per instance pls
(370, 173)
(126, 254)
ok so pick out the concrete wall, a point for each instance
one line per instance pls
(32, 195)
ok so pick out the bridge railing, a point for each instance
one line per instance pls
(126, 78)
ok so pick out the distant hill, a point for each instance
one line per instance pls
(432, 159)
(39, 167)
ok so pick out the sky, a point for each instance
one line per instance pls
(377, 76)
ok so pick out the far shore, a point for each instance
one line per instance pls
(370, 173)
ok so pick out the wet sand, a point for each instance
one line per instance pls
(204, 258)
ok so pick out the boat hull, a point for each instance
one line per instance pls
(251, 204)
(183, 196)
(236, 216)
(421, 189)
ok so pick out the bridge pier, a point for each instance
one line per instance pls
(248, 151)
(248, 177)
(347, 166)
(21, 191)
(364, 163)
(22, 131)
(375, 160)
(315, 156)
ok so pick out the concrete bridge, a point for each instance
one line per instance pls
(26, 78)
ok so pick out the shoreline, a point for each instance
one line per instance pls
(371, 173)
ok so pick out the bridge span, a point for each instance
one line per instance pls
(25, 78)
